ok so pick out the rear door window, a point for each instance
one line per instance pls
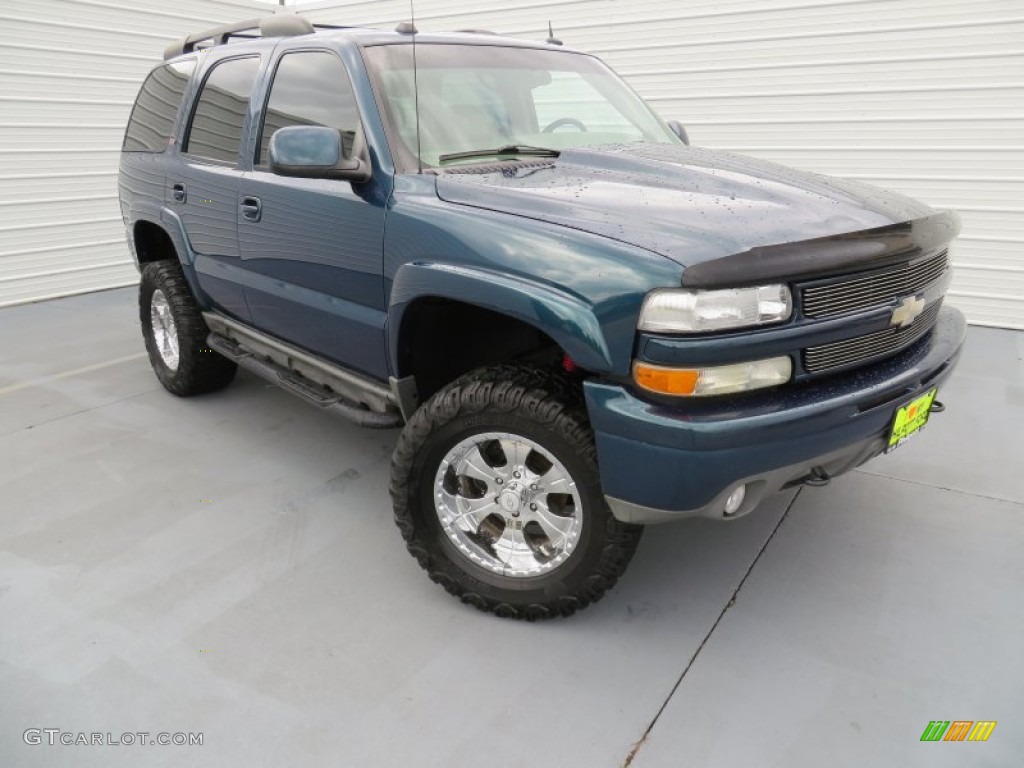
(220, 112)
(156, 107)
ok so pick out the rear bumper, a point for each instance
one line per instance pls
(660, 462)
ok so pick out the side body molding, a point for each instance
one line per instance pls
(569, 321)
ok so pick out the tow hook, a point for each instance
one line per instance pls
(937, 407)
(817, 478)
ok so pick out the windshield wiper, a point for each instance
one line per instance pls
(523, 150)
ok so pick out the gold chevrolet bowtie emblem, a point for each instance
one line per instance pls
(907, 311)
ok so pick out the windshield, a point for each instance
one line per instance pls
(481, 97)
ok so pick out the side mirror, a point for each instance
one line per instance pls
(677, 128)
(314, 152)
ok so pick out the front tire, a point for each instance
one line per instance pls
(496, 491)
(175, 334)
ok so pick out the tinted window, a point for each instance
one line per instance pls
(310, 88)
(152, 120)
(219, 116)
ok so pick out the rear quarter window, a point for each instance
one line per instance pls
(156, 107)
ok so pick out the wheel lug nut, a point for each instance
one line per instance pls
(533, 487)
(533, 507)
(515, 474)
(500, 481)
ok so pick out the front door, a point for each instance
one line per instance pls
(313, 248)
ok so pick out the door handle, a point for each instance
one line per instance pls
(252, 208)
(178, 193)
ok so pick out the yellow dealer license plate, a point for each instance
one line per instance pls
(910, 419)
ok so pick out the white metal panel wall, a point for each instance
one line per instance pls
(69, 72)
(922, 96)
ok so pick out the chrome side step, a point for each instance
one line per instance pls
(318, 382)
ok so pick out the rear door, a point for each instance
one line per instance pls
(203, 187)
(150, 131)
(313, 248)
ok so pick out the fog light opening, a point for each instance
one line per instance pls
(735, 500)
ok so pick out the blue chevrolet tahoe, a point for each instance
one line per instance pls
(581, 324)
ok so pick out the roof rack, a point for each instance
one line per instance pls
(283, 25)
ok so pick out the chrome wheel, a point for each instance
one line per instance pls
(508, 505)
(165, 332)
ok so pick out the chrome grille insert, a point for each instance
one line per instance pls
(856, 293)
(863, 349)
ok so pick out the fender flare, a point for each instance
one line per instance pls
(172, 225)
(163, 217)
(561, 315)
(175, 228)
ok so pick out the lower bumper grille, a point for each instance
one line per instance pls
(873, 346)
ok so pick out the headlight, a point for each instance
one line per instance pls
(715, 379)
(686, 311)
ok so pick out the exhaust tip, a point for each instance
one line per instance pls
(818, 478)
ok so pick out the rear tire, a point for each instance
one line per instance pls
(175, 334)
(496, 491)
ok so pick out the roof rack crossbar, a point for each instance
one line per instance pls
(283, 25)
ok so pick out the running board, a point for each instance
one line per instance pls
(327, 386)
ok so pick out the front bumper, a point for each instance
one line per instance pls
(661, 463)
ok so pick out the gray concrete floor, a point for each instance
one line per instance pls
(228, 565)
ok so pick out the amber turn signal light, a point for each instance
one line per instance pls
(713, 380)
(667, 381)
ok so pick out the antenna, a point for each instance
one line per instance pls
(416, 88)
(552, 40)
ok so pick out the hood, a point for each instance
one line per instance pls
(690, 205)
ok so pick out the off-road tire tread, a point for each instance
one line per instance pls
(200, 369)
(544, 396)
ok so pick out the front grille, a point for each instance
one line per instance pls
(881, 287)
(862, 349)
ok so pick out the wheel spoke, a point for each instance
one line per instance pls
(467, 514)
(512, 549)
(554, 481)
(555, 527)
(471, 512)
(474, 465)
(515, 452)
(506, 543)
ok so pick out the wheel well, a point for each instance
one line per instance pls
(442, 339)
(152, 243)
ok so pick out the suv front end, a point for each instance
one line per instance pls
(783, 366)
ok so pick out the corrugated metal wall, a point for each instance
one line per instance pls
(69, 71)
(922, 96)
